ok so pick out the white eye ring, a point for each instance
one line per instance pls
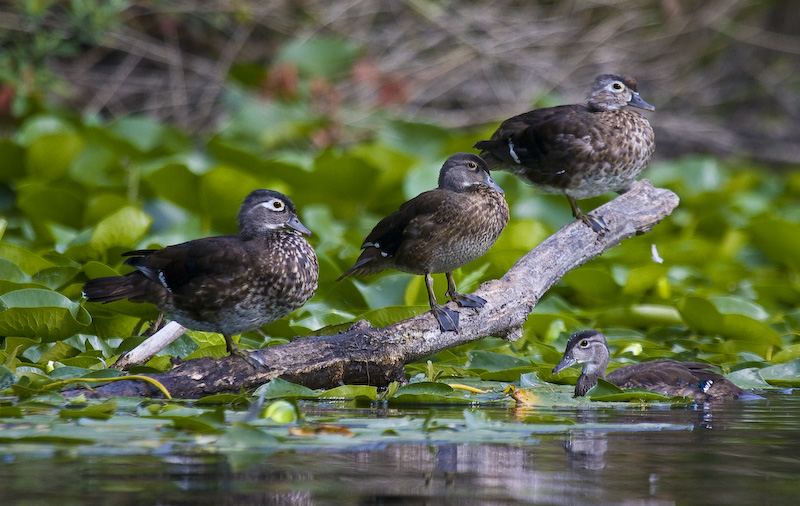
(274, 205)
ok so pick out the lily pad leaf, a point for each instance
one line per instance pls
(783, 375)
(492, 366)
(609, 392)
(351, 392)
(281, 389)
(244, 436)
(29, 262)
(428, 392)
(34, 312)
(749, 378)
(102, 411)
(779, 239)
(123, 228)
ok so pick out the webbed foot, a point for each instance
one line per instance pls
(467, 299)
(595, 223)
(448, 319)
(249, 356)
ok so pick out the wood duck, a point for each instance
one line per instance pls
(439, 231)
(668, 377)
(227, 284)
(580, 151)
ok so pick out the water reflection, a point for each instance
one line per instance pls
(731, 453)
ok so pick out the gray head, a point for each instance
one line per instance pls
(267, 210)
(463, 171)
(587, 347)
(611, 92)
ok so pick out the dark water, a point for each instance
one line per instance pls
(740, 452)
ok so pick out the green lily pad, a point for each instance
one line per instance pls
(48, 315)
(123, 228)
(101, 411)
(281, 389)
(609, 392)
(428, 392)
(783, 375)
(29, 262)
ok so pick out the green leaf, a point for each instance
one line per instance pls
(123, 228)
(28, 261)
(593, 283)
(320, 56)
(142, 133)
(221, 193)
(55, 202)
(43, 125)
(497, 366)
(351, 392)
(609, 392)
(427, 392)
(34, 312)
(787, 354)
(749, 378)
(48, 158)
(244, 436)
(176, 183)
(743, 332)
(101, 411)
(783, 375)
(736, 305)
(779, 239)
(12, 165)
(281, 389)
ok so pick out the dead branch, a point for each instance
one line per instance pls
(376, 356)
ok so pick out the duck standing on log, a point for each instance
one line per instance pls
(439, 231)
(227, 284)
(580, 150)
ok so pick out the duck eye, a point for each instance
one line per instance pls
(276, 205)
(584, 344)
(617, 86)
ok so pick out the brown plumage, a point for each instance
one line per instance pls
(668, 377)
(580, 151)
(226, 284)
(440, 230)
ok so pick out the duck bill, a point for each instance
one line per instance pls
(566, 361)
(295, 224)
(488, 181)
(636, 101)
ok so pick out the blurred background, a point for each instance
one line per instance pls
(723, 74)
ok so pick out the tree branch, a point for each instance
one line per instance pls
(376, 356)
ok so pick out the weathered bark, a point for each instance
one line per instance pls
(376, 356)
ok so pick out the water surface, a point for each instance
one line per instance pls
(736, 452)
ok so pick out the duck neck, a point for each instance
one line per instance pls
(588, 378)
